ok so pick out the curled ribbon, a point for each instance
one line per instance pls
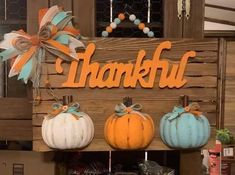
(192, 108)
(71, 108)
(121, 109)
(56, 35)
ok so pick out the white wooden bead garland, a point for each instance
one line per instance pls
(113, 25)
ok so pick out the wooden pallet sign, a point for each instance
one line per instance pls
(152, 72)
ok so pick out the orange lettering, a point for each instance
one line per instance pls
(143, 71)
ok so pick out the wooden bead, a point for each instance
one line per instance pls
(105, 34)
(121, 16)
(113, 25)
(132, 17)
(109, 29)
(117, 21)
(141, 26)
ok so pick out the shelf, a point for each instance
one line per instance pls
(101, 145)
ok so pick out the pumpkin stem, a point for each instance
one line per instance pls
(184, 100)
(127, 101)
(67, 99)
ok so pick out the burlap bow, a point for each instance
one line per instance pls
(121, 109)
(193, 108)
(71, 108)
(56, 35)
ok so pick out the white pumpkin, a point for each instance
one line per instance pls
(64, 131)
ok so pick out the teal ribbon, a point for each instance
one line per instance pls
(179, 110)
(176, 112)
(121, 109)
(71, 108)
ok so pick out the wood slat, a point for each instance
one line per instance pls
(171, 19)
(84, 12)
(15, 108)
(203, 81)
(219, 14)
(130, 55)
(106, 106)
(226, 22)
(227, 3)
(229, 109)
(209, 94)
(33, 8)
(124, 44)
(66, 4)
(194, 26)
(193, 69)
(15, 129)
(220, 7)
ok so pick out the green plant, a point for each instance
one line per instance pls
(224, 136)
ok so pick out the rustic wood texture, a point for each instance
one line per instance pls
(15, 119)
(173, 26)
(229, 121)
(201, 74)
(190, 162)
(194, 26)
(32, 14)
(84, 12)
(221, 82)
(15, 108)
(66, 4)
(16, 130)
(101, 145)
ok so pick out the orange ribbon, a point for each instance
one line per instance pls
(194, 109)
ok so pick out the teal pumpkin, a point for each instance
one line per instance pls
(184, 130)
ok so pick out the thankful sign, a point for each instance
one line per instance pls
(144, 71)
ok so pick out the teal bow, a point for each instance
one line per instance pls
(192, 108)
(72, 108)
(121, 109)
(176, 112)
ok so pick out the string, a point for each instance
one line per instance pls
(149, 11)
(111, 10)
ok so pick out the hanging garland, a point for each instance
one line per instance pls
(121, 17)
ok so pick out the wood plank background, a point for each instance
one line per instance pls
(15, 119)
(229, 121)
(201, 74)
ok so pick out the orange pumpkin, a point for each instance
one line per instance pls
(128, 128)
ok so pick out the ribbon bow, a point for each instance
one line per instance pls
(192, 108)
(71, 108)
(56, 35)
(121, 109)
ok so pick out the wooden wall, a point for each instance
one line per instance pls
(15, 119)
(229, 118)
(201, 74)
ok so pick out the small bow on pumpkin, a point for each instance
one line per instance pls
(71, 108)
(192, 108)
(56, 35)
(121, 109)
